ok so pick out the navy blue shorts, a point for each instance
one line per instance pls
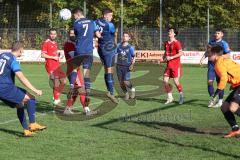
(212, 74)
(107, 57)
(123, 73)
(86, 60)
(12, 95)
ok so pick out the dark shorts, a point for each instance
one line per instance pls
(123, 73)
(86, 60)
(107, 57)
(12, 95)
(234, 96)
(211, 75)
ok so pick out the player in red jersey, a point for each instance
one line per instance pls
(173, 52)
(52, 65)
(75, 78)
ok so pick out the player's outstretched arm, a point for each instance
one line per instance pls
(27, 84)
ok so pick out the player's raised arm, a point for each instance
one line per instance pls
(26, 83)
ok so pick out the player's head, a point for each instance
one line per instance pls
(215, 52)
(71, 35)
(219, 33)
(52, 34)
(107, 14)
(126, 37)
(17, 48)
(172, 32)
(77, 13)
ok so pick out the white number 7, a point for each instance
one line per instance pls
(86, 29)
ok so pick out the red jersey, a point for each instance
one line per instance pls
(171, 49)
(69, 49)
(50, 48)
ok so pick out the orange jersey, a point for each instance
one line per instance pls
(228, 71)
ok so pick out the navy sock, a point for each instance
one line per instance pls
(109, 82)
(211, 90)
(73, 77)
(230, 118)
(22, 117)
(31, 109)
(221, 94)
(87, 83)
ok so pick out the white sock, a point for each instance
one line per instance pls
(170, 95)
(220, 101)
(87, 109)
(133, 90)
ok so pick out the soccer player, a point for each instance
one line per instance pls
(228, 72)
(125, 62)
(107, 50)
(51, 55)
(173, 52)
(218, 40)
(75, 78)
(14, 96)
(85, 30)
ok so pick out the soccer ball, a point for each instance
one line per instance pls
(65, 14)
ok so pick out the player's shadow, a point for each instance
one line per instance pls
(13, 132)
(44, 106)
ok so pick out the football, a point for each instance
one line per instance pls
(65, 14)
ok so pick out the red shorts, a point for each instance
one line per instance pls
(173, 72)
(57, 73)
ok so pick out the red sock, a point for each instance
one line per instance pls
(179, 87)
(83, 99)
(57, 91)
(168, 87)
(71, 101)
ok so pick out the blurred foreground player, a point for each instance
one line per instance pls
(173, 52)
(228, 72)
(125, 62)
(52, 65)
(14, 96)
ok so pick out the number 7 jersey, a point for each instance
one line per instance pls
(84, 30)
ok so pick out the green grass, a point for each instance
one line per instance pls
(144, 129)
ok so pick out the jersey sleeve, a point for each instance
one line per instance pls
(226, 48)
(96, 27)
(132, 51)
(111, 28)
(15, 66)
(44, 48)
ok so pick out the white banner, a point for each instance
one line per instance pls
(189, 57)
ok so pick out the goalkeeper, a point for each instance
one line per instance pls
(125, 62)
(228, 72)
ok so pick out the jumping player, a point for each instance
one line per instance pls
(173, 52)
(51, 55)
(85, 30)
(125, 62)
(75, 78)
(14, 96)
(211, 73)
(107, 50)
(228, 71)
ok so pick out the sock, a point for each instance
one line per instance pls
(83, 100)
(109, 82)
(180, 89)
(31, 109)
(73, 77)
(87, 109)
(128, 84)
(230, 118)
(22, 118)
(221, 94)
(237, 112)
(235, 128)
(170, 95)
(210, 90)
(71, 101)
(87, 83)
(220, 101)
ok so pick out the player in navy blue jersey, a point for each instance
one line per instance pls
(218, 40)
(125, 62)
(85, 30)
(107, 49)
(14, 96)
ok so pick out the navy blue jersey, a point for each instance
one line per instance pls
(223, 44)
(84, 30)
(107, 30)
(125, 54)
(8, 66)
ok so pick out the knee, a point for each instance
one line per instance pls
(210, 83)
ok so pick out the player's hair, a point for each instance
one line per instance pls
(52, 29)
(77, 10)
(174, 30)
(17, 46)
(127, 34)
(106, 11)
(219, 30)
(218, 50)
